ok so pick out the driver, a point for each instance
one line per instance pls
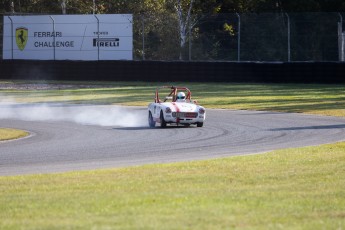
(181, 97)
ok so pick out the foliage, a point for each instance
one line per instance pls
(160, 26)
(152, 6)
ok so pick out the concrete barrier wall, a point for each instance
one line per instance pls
(293, 72)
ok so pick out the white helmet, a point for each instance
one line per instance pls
(181, 96)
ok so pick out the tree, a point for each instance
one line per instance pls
(162, 25)
(63, 6)
(184, 22)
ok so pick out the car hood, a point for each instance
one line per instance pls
(181, 106)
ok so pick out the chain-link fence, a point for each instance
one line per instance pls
(239, 37)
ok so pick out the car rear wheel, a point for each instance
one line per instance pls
(152, 123)
(200, 124)
(163, 122)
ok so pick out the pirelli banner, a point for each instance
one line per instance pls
(68, 37)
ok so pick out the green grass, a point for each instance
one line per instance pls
(300, 98)
(10, 134)
(288, 189)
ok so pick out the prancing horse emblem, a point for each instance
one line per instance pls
(21, 37)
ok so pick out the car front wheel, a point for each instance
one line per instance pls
(152, 123)
(200, 124)
(163, 122)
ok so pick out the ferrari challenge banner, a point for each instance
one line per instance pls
(68, 37)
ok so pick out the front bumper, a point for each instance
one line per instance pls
(169, 118)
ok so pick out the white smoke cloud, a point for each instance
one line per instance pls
(81, 114)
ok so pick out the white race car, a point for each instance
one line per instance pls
(177, 108)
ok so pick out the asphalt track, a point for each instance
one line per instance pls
(60, 146)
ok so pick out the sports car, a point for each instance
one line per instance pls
(175, 108)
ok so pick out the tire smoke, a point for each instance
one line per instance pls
(101, 115)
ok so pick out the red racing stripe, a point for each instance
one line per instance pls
(177, 111)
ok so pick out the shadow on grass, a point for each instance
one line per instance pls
(263, 97)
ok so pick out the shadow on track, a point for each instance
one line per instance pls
(310, 127)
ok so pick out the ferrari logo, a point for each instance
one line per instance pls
(21, 37)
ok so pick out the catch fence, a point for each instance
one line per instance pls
(264, 37)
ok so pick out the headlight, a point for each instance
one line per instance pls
(167, 110)
(201, 111)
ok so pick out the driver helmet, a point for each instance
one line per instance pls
(181, 96)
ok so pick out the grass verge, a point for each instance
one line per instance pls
(300, 98)
(10, 134)
(287, 189)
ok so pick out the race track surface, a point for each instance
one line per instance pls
(61, 144)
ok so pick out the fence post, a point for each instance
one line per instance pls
(190, 40)
(343, 47)
(97, 36)
(239, 38)
(289, 35)
(11, 36)
(53, 36)
(143, 33)
(341, 38)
